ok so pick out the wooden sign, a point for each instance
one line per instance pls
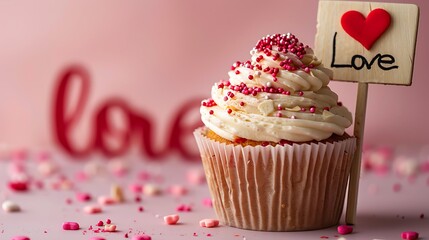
(368, 42)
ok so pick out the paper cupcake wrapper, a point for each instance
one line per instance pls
(282, 188)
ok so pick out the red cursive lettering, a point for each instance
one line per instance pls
(137, 125)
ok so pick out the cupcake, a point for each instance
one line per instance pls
(274, 148)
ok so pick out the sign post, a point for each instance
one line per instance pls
(366, 42)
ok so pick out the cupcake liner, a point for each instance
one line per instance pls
(282, 188)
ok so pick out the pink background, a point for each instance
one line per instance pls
(158, 54)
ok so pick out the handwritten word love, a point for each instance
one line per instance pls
(384, 61)
(138, 125)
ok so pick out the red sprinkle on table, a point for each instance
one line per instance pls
(410, 235)
(20, 186)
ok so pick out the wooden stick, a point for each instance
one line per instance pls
(360, 113)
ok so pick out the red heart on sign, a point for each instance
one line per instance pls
(366, 30)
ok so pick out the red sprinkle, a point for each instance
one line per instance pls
(410, 235)
(240, 140)
(20, 238)
(19, 186)
(344, 229)
(183, 208)
(71, 226)
(285, 142)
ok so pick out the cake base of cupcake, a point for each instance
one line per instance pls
(277, 188)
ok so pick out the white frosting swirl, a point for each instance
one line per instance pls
(294, 105)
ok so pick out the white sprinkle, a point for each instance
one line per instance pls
(117, 193)
(151, 190)
(9, 206)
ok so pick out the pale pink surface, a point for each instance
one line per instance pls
(146, 51)
(383, 214)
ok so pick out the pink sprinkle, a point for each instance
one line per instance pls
(108, 221)
(99, 224)
(178, 190)
(208, 202)
(424, 167)
(135, 188)
(141, 209)
(171, 219)
(81, 176)
(92, 209)
(196, 176)
(83, 197)
(409, 235)
(144, 175)
(20, 238)
(209, 223)
(97, 238)
(142, 237)
(137, 199)
(71, 226)
(397, 187)
(344, 229)
(39, 184)
(105, 200)
(69, 201)
(19, 155)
